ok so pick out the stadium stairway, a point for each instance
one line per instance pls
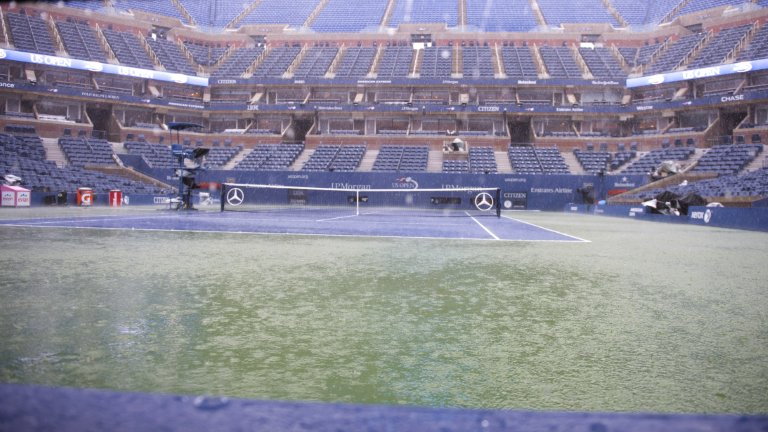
(693, 160)
(301, 160)
(435, 161)
(502, 162)
(53, 152)
(638, 155)
(761, 161)
(573, 164)
(236, 159)
(132, 174)
(369, 158)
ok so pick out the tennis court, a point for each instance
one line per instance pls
(376, 223)
(643, 317)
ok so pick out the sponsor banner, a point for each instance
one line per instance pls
(463, 82)
(625, 181)
(707, 72)
(23, 198)
(9, 199)
(418, 109)
(432, 108)
(511, 109)
(724, 217)
(78, 64)
(514, 200)
(92, 94)
(703, 101)
(389, 108)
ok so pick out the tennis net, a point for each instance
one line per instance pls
(469, 201)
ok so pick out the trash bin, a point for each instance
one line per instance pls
(84, 196)
(115, 198)
(61, 198)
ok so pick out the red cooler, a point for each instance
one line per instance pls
(84, 196)
(115, 198)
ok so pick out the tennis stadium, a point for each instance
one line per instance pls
(384, 215)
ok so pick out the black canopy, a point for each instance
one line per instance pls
(671, 203)
(179, 126)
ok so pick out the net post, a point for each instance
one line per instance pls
(498, 202)
(357, 202)
(222, 195)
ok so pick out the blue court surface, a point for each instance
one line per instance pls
(460, 226)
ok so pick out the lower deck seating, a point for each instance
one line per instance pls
(24, 156)
(532, 160)
(650, 161)
(220, 156)
(455, 166)
(727, 159)
(401, 158)
(81, 151)
(270, 157)
(751, 184)
(158, 156)
(482, 160)
(335, 158)
(594, 162)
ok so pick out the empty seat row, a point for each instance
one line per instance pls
(651, 160)
(80, 41)
(559, 62)
(170, 56)
(530, 160)
(81, 151)
(128, 49)
(237, 63)
(270, 157)
(335, 158)
(727, 159)
(30, 34)
(401, 158)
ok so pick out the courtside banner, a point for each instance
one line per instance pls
(70, 63)
(707, 72)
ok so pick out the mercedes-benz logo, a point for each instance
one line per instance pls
(484, 201)
(235, 196)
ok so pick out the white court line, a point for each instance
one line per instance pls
(336, 218)
(347, 216)
(483, 226)
(547, 229)
(34, 222)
